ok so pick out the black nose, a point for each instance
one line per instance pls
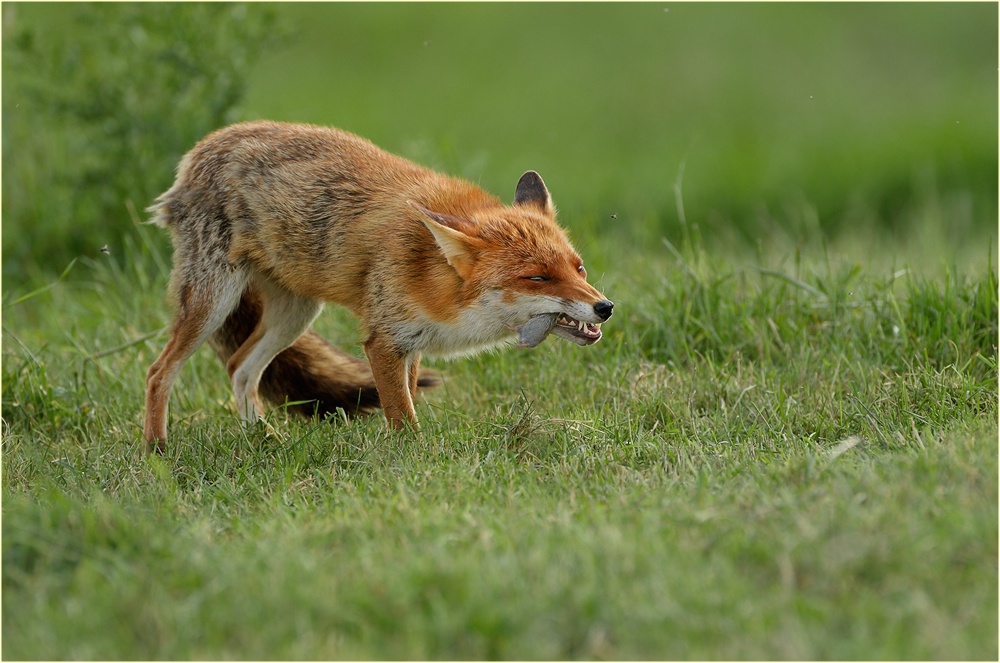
(603, 309)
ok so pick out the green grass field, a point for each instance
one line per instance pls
(784, 447)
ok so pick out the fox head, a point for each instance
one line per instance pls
(520, 264)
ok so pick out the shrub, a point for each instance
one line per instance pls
(99, 102)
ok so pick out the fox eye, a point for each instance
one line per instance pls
(581, 270)
(538, 279)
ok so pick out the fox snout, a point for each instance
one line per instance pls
(603, 309)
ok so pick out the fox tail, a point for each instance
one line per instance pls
(313, 376)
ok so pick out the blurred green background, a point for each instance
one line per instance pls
(868, 127)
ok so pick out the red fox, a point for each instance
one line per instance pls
(269, 221)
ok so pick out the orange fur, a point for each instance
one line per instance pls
(270, 221)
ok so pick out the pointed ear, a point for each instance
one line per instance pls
(451, 235)
(531, 191)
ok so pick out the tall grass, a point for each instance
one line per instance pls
(793, 123)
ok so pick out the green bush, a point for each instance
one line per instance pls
(99, 103)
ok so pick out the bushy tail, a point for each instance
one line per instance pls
(311, 370)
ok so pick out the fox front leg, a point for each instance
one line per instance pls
(392, 380)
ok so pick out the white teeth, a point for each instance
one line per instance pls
(588, 328)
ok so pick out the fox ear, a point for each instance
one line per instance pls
(531, 191)
(452, 236)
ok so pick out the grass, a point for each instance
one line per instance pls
(748, 466)
(448, 554)
(784, 447)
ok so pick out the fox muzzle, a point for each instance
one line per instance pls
(603, 309)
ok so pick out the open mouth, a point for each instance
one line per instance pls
(582, 333)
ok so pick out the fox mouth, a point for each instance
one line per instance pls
(581, 333)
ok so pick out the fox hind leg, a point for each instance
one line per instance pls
(413, 371)
(205, 302)
(285, 317)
